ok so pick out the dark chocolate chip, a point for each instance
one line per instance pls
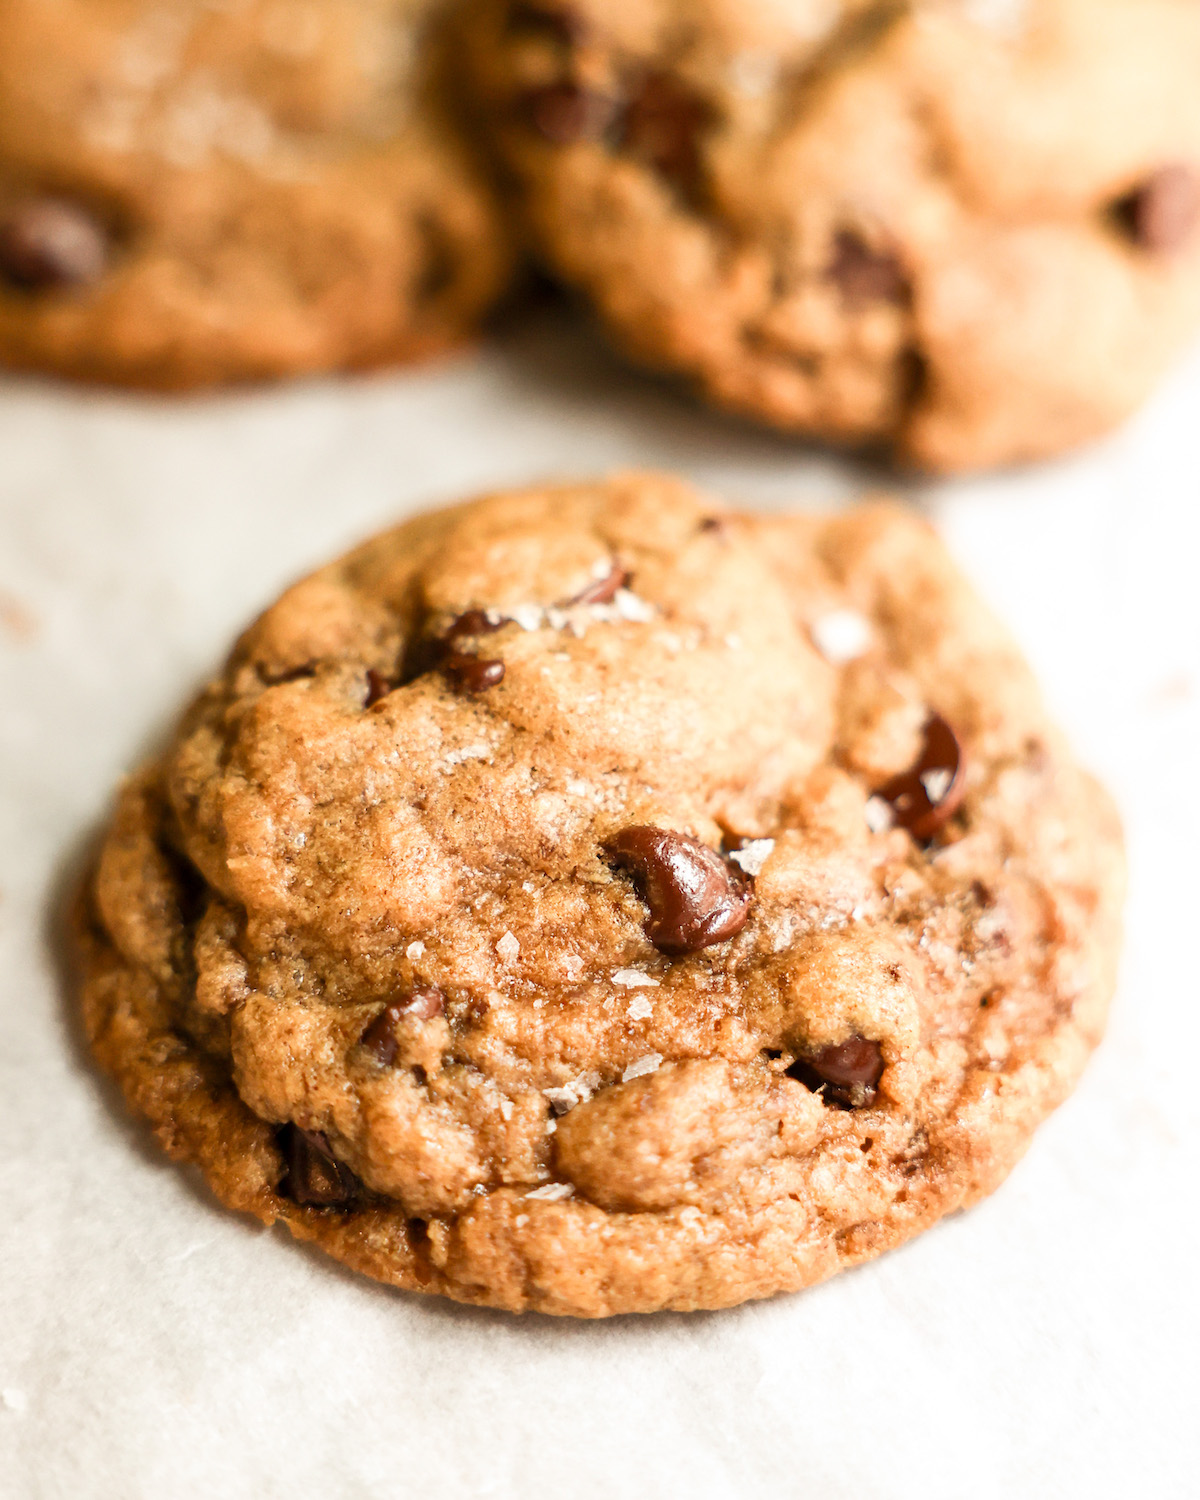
(557, 23)
(929, 793)
(603, 590)
(1161, 213)
(379, 1037)
(475, 622)
(425, 1003)
(564, 113)
(847, 1073)
(695, 897)
(50, 243)
(378, 686)
(471, 674)
(663, 124)
(314, 1177)
(862, 274)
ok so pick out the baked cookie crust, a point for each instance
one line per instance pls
(964, 230)
(590, 900)
(193, 194)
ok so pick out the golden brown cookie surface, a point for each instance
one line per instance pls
(591, 901)
(193, 193)
(965, 229)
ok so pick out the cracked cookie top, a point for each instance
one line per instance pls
(965, 229)
(571, 881)
(197, 192)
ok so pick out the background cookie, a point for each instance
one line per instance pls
(965, 228)
(588, 901)
(193, 192)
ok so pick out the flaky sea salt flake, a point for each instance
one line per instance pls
(640, 1009)
(630, 607)
(552, 1192)
(414, 951)
(752, 856)
(879, 815)
(841, 636)
(633, 979)
(508, 947)
(648, 1064)
(527, 616)
(936, 783)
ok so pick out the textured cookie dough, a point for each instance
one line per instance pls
(591, 901)
(968, 230)
(204, 191)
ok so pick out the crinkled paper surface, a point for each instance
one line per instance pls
(154, 1347)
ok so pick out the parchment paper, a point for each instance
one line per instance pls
(153, 1345)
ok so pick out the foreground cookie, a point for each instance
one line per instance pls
(197, 192)
(968, 229)
(588, 901)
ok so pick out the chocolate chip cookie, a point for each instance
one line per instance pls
(193, 192)
(594, 901)
(968, 230)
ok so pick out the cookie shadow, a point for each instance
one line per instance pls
(558, 356)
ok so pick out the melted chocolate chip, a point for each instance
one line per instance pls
(378, 686)
(47, 244)
(929, 793)
(314, 1177)
(846, 1073)
(564, 113)
(603, 590)
(865, 275)
(475, 622)
(558, 24)
(662, 125)
(695, 897)
(379, 1037)
(1162, 212)
(471, 674)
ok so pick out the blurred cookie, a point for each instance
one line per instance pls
(965, 229)
(585, 900)
(194, 193)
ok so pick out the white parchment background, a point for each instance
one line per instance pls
(152, 1345)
